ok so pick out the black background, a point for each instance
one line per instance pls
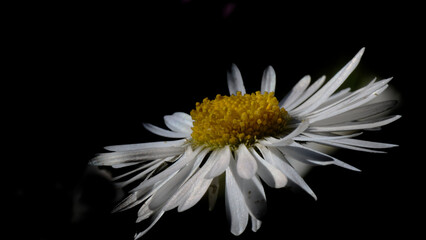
(83, 76)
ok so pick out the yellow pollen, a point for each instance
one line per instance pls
(237, 119)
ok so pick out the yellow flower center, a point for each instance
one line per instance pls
(234, 120)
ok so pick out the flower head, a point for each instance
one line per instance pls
(248, 139)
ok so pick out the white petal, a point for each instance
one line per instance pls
(355, 125)
(311, 90)
(213, 192)
(310, 137)
(296, 92)
(354, 144)
(236, 209)
(346, 98)
(246, 163)
(337, 96)
(340, 145)
(122, 165)
(185, 117)
(140, 146)
(187, 188)
(134, 199)
(309, 155)
(166, 191)
(223, 157)
(359, 113)
(148, 187)
(330, 87)
(289, 138)
(156, 216)
(268, 80)
(131, 198)
(144, 212)
(112, 158)
(301, 168)
(235, 81)
(163, 132)
(275, 157)
(180, 196)
(253, 193)
(339, 163)
(352, 101)
(196, 186)
(176, 166)
(339, 109)
(268, 173)
(178, 124)
(255, 223)
(367, 144)
(305, 155)
(151, 167)
(197, 190)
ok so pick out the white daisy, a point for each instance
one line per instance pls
(248, 139)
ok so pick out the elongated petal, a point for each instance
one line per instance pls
(359, 113)
(339, 109)
(355, 125)
(366, 144)
(342, 164)
(163, 132)
(316, 157)
(255, 223)
(246, 163)
(164, 193)
(268, 80)
(353, 144)
(222, 158)
(178, 124)
(196, 186)
(253, 193)
(197, 190)
(144, 212)
(140, 146)
(176, 166)
(336, 97)
(140, 175)
(134, 199)
(275, 157)
(351, 147)
(184, 117)
(268, 173)
(353, 101)
(340, 100)
(236, 209)
(328, 89)
(213, 192)
(196, 176)
(289, 138)
(156, 216)
(108, 159)
(131, 198)
(235, 81)
(311, 90)
(311, 137)
(305, 155)
(296, 92)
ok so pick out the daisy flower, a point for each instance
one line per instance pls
(249, 140)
